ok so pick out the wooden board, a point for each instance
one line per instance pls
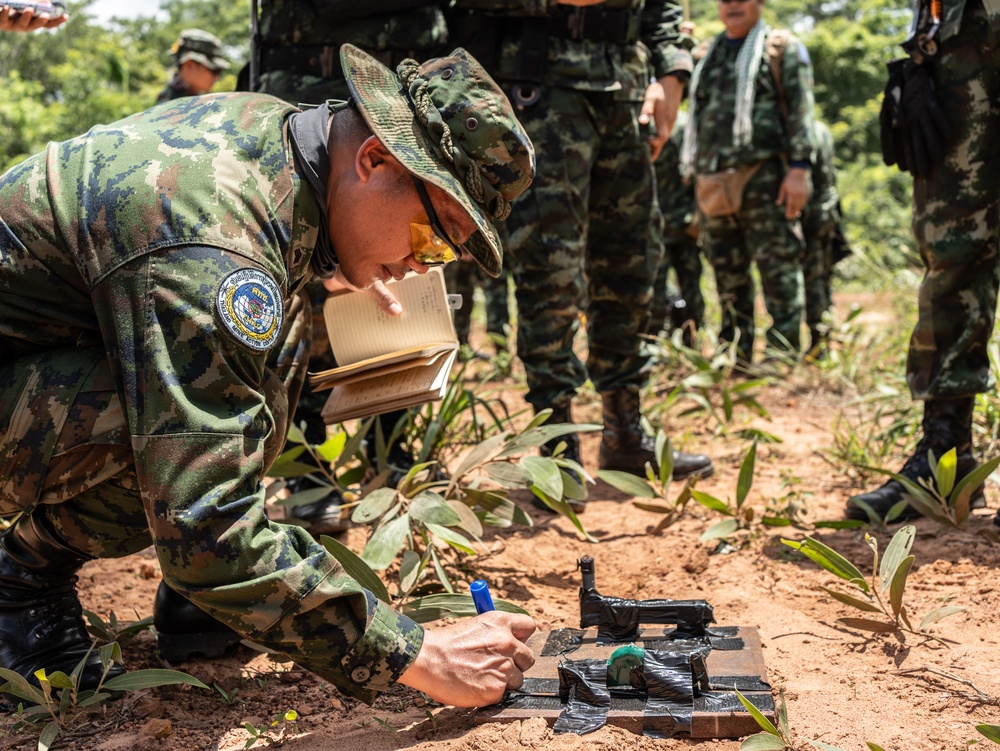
(736, 659)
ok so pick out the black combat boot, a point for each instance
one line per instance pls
(184, 630)
(41, 619)
(559, 416)
(947, 424)
(626, 447)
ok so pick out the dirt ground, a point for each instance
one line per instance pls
(843, 687)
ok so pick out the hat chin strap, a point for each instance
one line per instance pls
(482, 192)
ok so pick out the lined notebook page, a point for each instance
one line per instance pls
(359, 329)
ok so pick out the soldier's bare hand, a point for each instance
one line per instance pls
(472, 663)
(385, 299)
(663, 98)
(27, 20)
(794, 192)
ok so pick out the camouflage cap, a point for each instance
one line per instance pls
(448, 123)
(200, 46)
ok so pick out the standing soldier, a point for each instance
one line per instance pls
(820, 225)
(749, 144)
(199, 60)
(941, 121)
(582, 235)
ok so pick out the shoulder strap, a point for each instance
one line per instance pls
(777, 43)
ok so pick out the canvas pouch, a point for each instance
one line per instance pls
(721, 193)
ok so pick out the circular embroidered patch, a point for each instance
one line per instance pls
(251, 308)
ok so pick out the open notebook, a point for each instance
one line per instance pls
(388, 362)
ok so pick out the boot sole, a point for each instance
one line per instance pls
(182, 647)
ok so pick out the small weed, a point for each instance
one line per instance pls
(989, 731)
(228, 697)
(883, 593)
(285, 723)
(385, 724)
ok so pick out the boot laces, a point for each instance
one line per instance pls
(58, 609)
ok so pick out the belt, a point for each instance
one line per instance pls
(592, 24)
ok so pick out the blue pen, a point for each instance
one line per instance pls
(481, 596)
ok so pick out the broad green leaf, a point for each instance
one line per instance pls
(745, 482)
(543, 434)
(295, 434)
(409, 570)
(758, 716)
(873, 746)
(497, 504)
(899, 548)
(654, 508)
(873, 517)
(562, 507)
(854, 602)
(665, 453)
(467, 518)
(442, 575)
(711, 502)
(968, 484)
(776, 521)
(480, 454)
(703, 379)
(508, 475)
(373, 505)
(762, 742)
(59, 679)
(571, 489)
(430, 508)
(989, 731)
(303, 497)
(825, 746)
(383, 546)
(839, 524)
(353, 445)
(897, 509)
(332, 447)
(720, 529)
(48, 735)
(140, 679)
(946, 469)
(939, 614)
(544, 475)
(456, 539)
(539, 419)
(627, 483)
(782, 712)
(290, 469)
(865, 624)
(829, 559)
(899, 584)
(17, 685)
(355, 568)
(435, 607)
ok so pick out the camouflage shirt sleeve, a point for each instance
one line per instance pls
(201, 406)
(660, 33)
(511, 7)
(797, 79)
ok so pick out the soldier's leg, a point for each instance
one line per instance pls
(685, 257)
(725, 247)
(461, 279)
(956, 220)
(545, 236)
(497, 305)
(623, 255)
(817, 268)
(777, 246)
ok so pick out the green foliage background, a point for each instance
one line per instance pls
(59, 83)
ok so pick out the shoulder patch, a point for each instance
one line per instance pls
(251, 308)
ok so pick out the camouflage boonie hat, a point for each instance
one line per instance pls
(448, 123)
(200, 46)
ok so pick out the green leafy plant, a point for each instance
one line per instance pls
(656, 486)
(944, 499)
(59, 704)
(883, 592)
(779, 738)
(113, 630)
(229, 698)
(274, 733)
(424, 517)
(989, 731)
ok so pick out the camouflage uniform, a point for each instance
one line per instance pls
(956, 215)
(299, 62)
(820, 219)
(582, 232)
(463, 278)
(679, 236)
(152, 415)
(758, 232)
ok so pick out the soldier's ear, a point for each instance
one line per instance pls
(371, 156)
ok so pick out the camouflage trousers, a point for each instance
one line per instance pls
(581, 239)
(759, 233)
(817, 271)
(682, 254)
(956, 220)
(463, 278)
(74, 456)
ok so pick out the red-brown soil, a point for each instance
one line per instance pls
(843, 687)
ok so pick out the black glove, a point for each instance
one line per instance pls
(914, 131)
